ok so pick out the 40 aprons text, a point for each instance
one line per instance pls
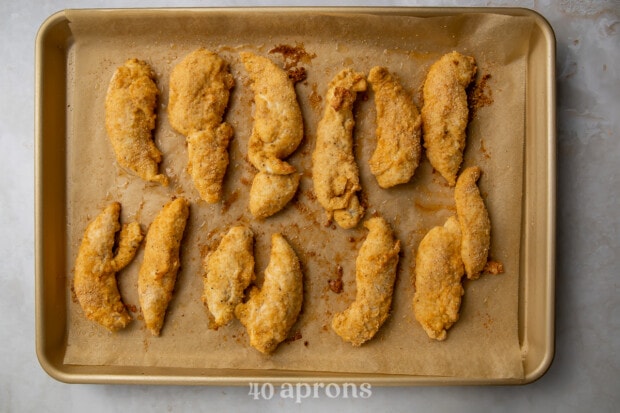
(301, 391)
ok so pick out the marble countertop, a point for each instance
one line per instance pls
(584, 374)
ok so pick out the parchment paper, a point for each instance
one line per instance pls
(483, 343)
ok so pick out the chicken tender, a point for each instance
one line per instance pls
(271, 311)
(445, 112)
(208, 160)
(199, 90)
(397, 154)
(474, 221)
(229, 271)
(96, 265)
(270, 193)
(130, 119)
(438, 273)
(375, 273)
(161, 262)
(278, 126)
(334, 171)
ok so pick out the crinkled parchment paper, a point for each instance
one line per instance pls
(483, 344)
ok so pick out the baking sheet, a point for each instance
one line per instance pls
(484, 343)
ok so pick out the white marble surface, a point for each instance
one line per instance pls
(585, 372)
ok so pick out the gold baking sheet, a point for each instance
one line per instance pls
(488, 344)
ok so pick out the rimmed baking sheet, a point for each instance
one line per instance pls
(501, 337)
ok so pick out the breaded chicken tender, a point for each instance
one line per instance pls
(398, 149)
(474, 221)
(229, 270)
(130, 119)
(445, 113)
(334, 171)
(96, 265)
(208, 160)
(438, 273)
(278, 126)
(270, 193)
(375, 273)
(271, 311)
(199, 90)
(158, 272)
(276, 133)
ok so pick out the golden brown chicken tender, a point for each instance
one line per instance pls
(270, 193)
(445, 113)
(397, 153)
(96, 265)
(375, 272)
(276, 133)
(271, 311)
(278, 126)
(130, 119)
(199, 90)
(334, 171)
(474, 221)
(158, 272)
(438, 273)
(228, 272)
(208, 160)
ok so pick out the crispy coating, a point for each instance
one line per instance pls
(375, 273)
(278, 126)
(271, 311)
(270, 193)
(130, 119)
(474, 221)
(445, 112)
(334, 171)
(276, 133)
(228, 272)
(199, 90)
(208, 160)
(398, 149)
(438, 273)
(349, 217)
(161, 262)
(96, 265)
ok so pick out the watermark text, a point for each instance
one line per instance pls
(301, 391)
